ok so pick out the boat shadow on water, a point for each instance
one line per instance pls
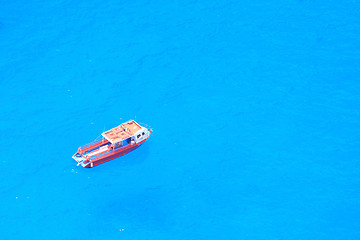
(148, 209)
(138, 156)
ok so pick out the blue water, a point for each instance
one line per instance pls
(254, 106)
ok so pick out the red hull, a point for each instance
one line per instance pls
(106, 155)
(111, 156)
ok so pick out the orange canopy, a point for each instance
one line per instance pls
(122, 132)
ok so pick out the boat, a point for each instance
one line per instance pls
(113, 143)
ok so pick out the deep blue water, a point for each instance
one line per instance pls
(254, 106)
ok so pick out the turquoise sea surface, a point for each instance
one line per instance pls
(255, 107)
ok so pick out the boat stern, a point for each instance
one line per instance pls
(81, 160)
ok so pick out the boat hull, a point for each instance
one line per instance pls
(86, 160)
(111, 156)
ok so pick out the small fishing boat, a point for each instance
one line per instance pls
(114, 143)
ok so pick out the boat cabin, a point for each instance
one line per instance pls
(127, 133)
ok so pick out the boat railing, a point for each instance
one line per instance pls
(92, 143)
(107, 152)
